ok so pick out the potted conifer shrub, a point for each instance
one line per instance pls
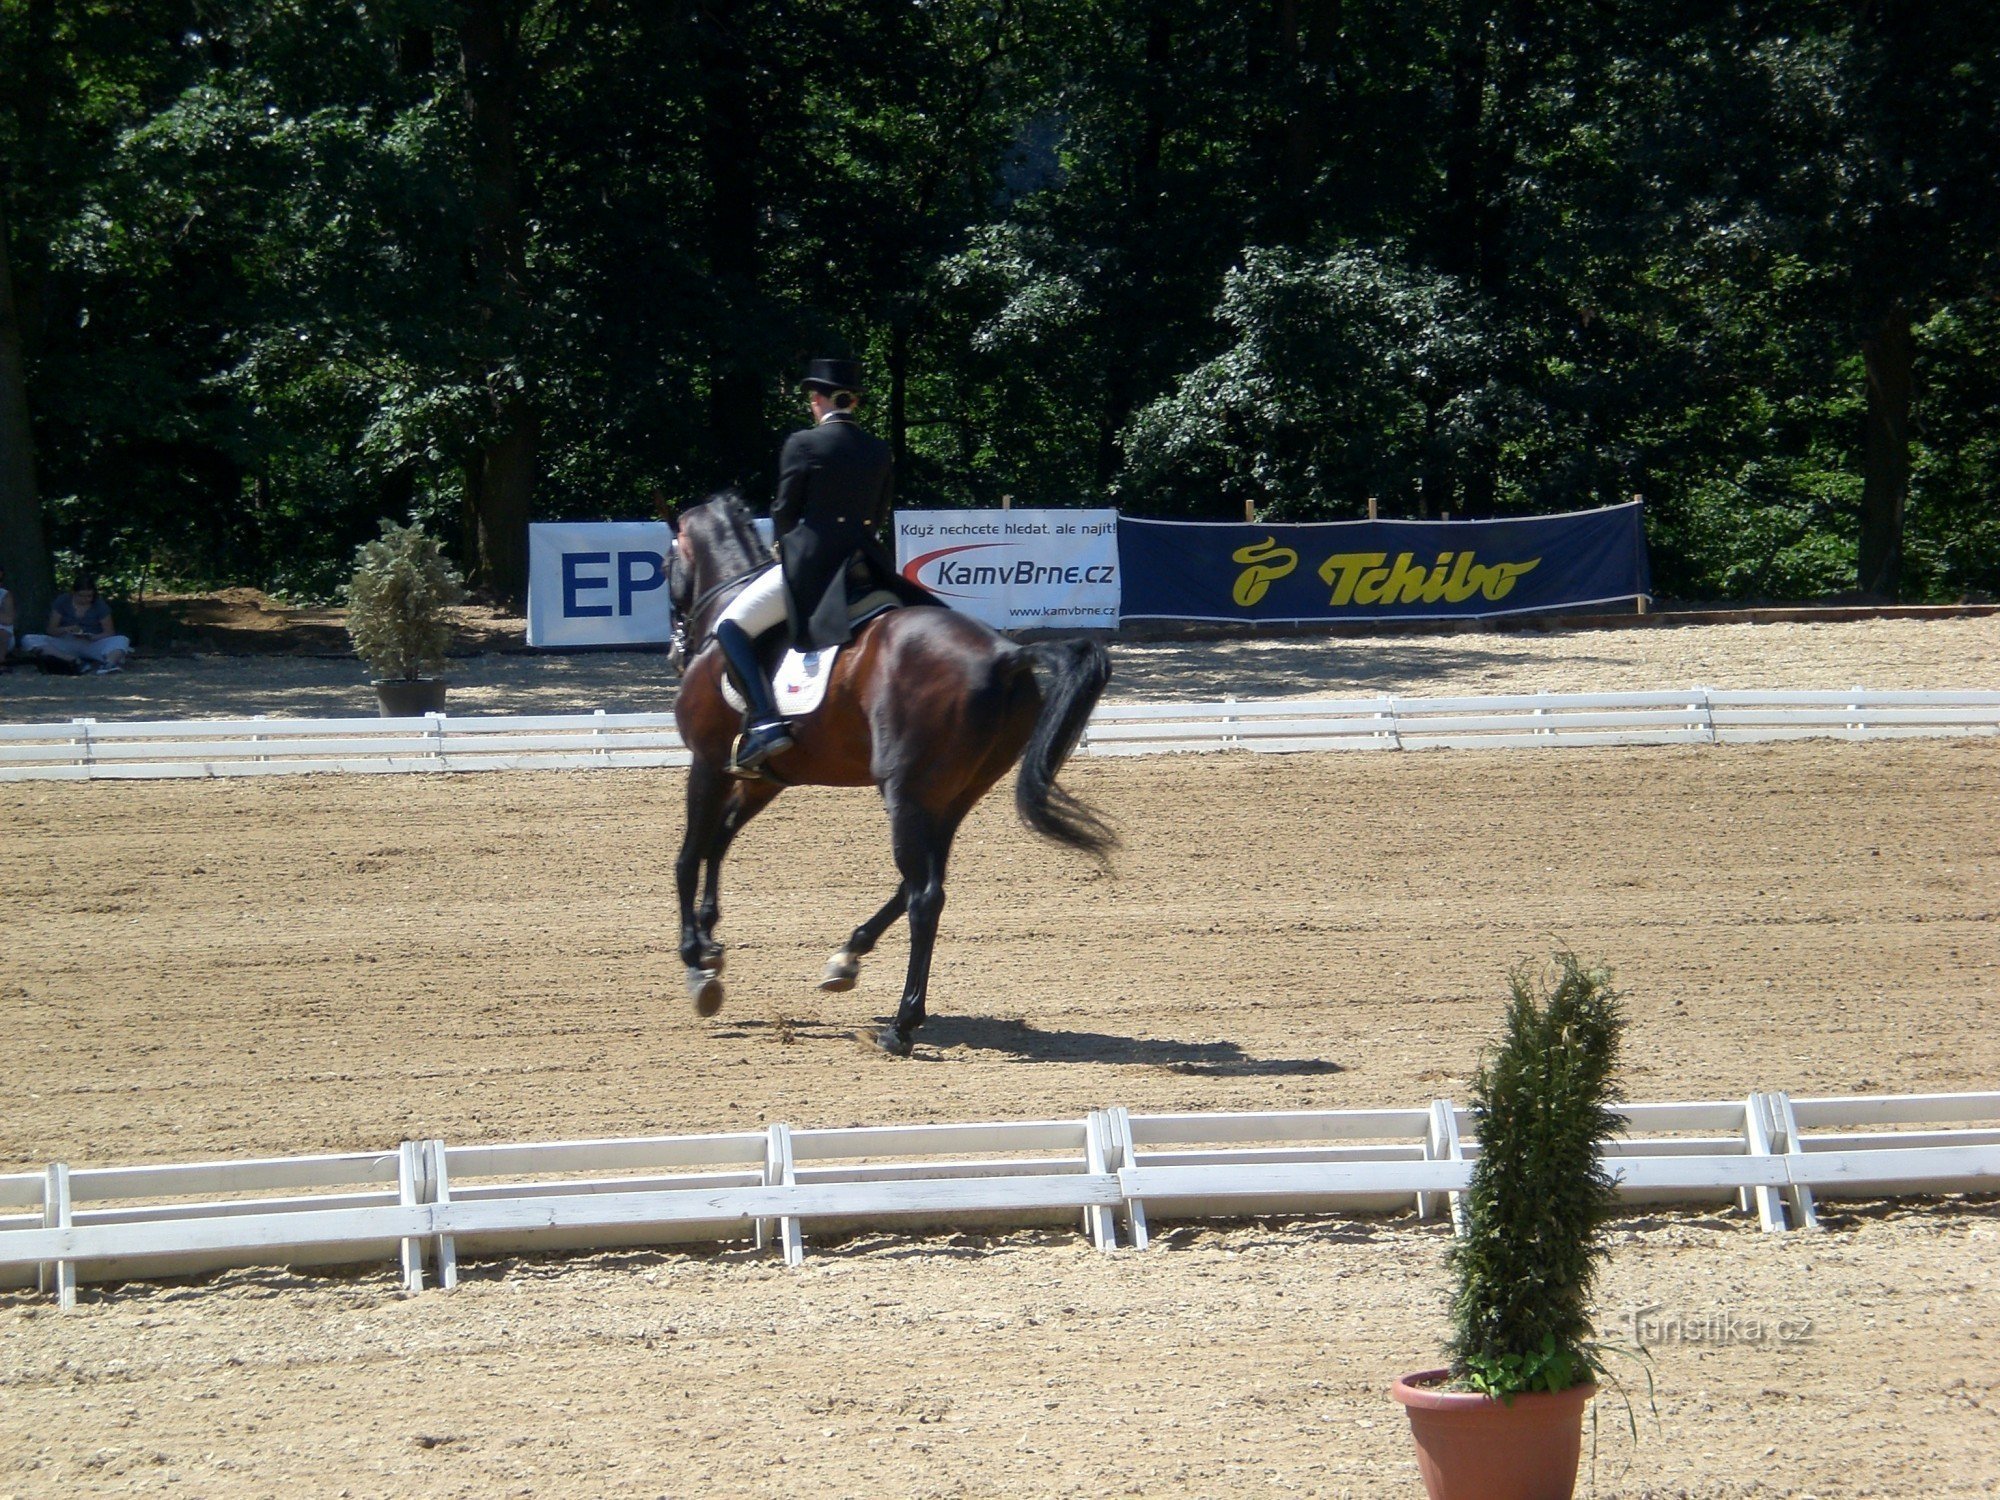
(1505, 1420)
(396, 605)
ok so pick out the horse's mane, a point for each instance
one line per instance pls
(721, 528)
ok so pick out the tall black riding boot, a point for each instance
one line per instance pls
(765, 732)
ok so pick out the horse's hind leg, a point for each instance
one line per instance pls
(922, 842)
(844, 967)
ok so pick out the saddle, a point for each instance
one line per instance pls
(799, 682)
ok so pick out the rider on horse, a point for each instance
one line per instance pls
(833, 492)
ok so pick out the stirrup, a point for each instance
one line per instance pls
(757, 744)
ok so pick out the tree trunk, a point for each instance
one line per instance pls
(1157, 106)
(500, 484)
(23, 548)
(1888, 355)
(899, 389)
(1131, 348)
(1461, 219)
(1489, 83)
(1487, 52)
(730, 146)
(1306, 51)
(502, 471)
(1434, 469)
(416, 52)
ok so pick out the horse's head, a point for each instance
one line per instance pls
(715, 544)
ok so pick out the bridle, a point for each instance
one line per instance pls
(679, 646)
(738, 581)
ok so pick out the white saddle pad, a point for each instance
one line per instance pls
(799, 685)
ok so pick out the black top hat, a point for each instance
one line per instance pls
(832, 375)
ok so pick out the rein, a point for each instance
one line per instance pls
(709, 594)
(682, 618)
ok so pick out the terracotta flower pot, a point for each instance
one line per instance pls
(406, 697)
(1472, 1447)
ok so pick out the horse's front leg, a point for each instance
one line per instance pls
(743, 800)
(735, 803)
(707, 795)
(844, 967)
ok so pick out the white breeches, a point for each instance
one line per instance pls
(761, 606)
(111, 648)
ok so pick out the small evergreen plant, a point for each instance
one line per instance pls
(1528, 1260)
(396, 602)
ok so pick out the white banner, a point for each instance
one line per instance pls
(598, 583)
(1016, 569)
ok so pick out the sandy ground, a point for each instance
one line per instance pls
(200, 969)
(1248, 1361)
(1878, 654)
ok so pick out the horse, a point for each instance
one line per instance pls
(927, 704)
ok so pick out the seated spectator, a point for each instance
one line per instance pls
(80, 636)
(6, 618)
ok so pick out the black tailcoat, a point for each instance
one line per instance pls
(834, 490)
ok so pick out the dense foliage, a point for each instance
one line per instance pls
(1528, 1258)
(274, 271)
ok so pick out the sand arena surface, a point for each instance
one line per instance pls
(259, 967)
(1880, 654)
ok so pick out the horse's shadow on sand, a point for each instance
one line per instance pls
(1025, 1043)
(1028, 1043)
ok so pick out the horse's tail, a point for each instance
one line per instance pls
(1072, 675)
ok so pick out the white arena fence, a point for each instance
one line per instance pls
(88, 749)
(427, 1203)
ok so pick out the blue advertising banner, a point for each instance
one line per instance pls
(1380, 570)
(598, 583)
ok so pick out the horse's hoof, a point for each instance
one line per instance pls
(841, 972)
(711, 960)
(893, 1042)
(705, 989)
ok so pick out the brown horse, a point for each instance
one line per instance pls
(927, 704)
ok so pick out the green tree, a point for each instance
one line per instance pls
(75, 76)
(280, 270)
(23, 549)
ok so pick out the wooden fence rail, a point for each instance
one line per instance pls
(89, 749)
(425, 1203)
